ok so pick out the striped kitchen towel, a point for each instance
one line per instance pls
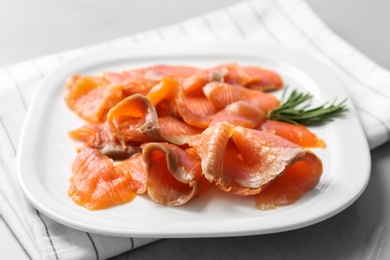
(286, 22)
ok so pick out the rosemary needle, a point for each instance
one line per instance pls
(294, 110)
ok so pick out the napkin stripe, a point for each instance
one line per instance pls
(17, 86)
(258, 13)
(132, 243)
(237, 25)
(377, 118)
(252, 15)
(18, 227)
(48, 235)
(7, 135)
(12, 212)
(38, 69)
(93, 245)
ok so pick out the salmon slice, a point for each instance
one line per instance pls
(223, 94)
(151, 73)
(166, 108)
(131, 82)
(91, 97)
(262, 79)
(173, 127)
(141, 81)
(179, 72)
(97, 184)
(298, 134)
(252, 77)
(299, 178)
(94, 135)
(200, 105)
(210, 146)
(261, 158)
(239, 113)
(194, 83)
(217, 96)
(167, 89)
(99, 136)
(235, 74)
(192, 118)
(134, 119)
(173, 174)
(243, 161)
(136, 168)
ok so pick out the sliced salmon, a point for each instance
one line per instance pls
(91, 97)
(136, 168)
(210, 146)
(134, 119)
(178, 72)
(171, 128)
(223, 94)
(97, 184)
(263, 79)
(142, 80)
(252, 77)
(173, 174)
(260, 159)
(132, 82)
(218, 96)
(175, 130)
(167, 89)
(200, 105)
(189, 116)
(298, 134)
(194, 83)
(299, 178)
(239, 113)
(94, 135)
(99, 136)
(243, 161)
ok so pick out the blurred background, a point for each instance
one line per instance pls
(33, 28)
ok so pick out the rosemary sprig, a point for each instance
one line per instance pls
(293, 110)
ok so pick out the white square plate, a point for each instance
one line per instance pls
(46, 152)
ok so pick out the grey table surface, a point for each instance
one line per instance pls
(30, 29)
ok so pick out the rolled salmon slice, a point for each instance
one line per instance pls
(210, 146)
(174, 176)
(134, 119)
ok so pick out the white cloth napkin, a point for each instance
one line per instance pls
(287, 22)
